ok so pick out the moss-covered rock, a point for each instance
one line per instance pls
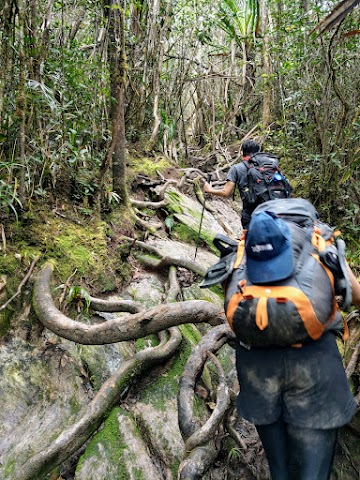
(41, 394)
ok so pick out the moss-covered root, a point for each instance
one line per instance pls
(121, 329)
(208, 430)
(198, 462)
(211, 342)
(74, 437)
(200, 449)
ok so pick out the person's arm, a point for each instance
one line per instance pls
(355, 286)
(226, 191)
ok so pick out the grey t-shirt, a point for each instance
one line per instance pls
(238, 175)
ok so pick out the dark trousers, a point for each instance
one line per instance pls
(245, 218)
(296, 453)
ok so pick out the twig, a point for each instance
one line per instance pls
(66, 284)
(22, 283)
(350, 369)
(66, 217)
(3, 237)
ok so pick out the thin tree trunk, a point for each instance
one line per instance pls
(21, 100)
(117, 65)
(266, 107)
(119, 158)
(157, 74)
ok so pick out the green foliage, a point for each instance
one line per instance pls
(80, 297)
(149, 166)
(238, 18)
(234, 454)
(109, 436)
(9, 200)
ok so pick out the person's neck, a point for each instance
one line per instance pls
(246, 157)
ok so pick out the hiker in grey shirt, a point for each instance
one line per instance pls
(237, 175)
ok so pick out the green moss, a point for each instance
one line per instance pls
(175, 202)
(74, 405)
(217, 290)
(146, 342)
(190, 333)
(184, 233)
(165, 386)
(149, 166)
(109, 437)
(138, 474)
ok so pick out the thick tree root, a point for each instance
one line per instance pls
(155, 205)
(211, 342)
(74, 437)
(101, 305)
(129, 327)
(200, 448)
(208, 430)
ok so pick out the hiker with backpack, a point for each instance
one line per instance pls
(257, 177)
(282, 282)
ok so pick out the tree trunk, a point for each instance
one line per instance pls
(117, 66)
(266, 107)
(21, 99)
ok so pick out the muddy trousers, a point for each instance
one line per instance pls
(296, 453)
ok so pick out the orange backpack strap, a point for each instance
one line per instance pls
(262, 320)
(240, 251)
(345, 335)
(317, 240)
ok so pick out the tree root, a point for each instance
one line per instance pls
(101, 305)
(203, 434)
(198, 461)
(154, 205)
(130, 327)
(166, 261)
(152, 229)
(70, 440)
(200, 448)
(211, 342)
(174, 290)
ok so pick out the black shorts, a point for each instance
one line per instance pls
(304, 386)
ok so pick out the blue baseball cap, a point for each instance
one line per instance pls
(269, 254)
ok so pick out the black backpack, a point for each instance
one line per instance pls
(298, 308)
(265, 181)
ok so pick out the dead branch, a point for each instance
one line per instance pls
(67, 217)
(120, 329)
(3, 237)
(21, 284)
(66, 285)
(350, 369)
(74, 437)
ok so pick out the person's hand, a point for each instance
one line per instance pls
(207, 188)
